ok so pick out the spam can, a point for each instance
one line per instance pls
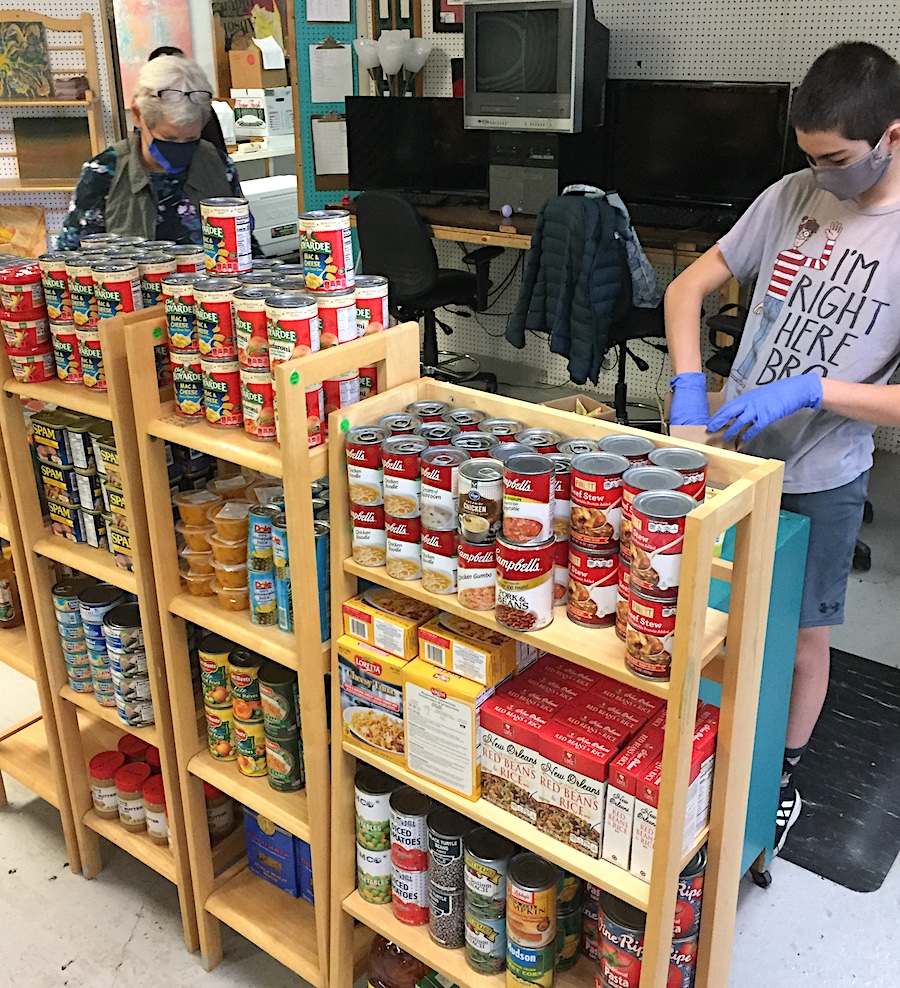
(65, 520)
(187, 380)
(94, 526)
(284, 761)
(250, 740)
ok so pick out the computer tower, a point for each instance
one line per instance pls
(524, 169)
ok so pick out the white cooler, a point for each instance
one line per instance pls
(273, 203)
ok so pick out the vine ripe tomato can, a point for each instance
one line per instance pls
(25, 331)
(621, 929)
(634, 481)
(649, 634)
(439, 561)
(524, 584)
(689, 901)
(528, 499)
(365, 476)
(371, 292)
(65, 352)
(55, 280)
(593, 584)
(117, 286)
(21, 288)
(251, 327)
(189, 258)
(81, 290)
(178, 296)
(657, 540)
(690, 463)
(293, 326)
(683, 962)
(153, 266)
(369, 541)
(258, 404)
(226, 234)
(187, 379)
(326, 248)
(214, 306)
(222, 393)
(476, 575)
(597, 500)
(337, 314)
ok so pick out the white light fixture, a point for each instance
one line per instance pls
(367, 53)
(415, 55)
(392, 53)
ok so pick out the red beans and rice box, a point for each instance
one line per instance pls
(524, 584)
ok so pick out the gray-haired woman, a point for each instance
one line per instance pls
(150, 185)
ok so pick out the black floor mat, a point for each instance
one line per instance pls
(849, 780)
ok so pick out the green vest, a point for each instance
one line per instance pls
(131, 205)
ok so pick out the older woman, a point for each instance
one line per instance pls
(151, 184)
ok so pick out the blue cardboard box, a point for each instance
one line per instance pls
(272, 852)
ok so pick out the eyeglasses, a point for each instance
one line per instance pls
(199, 96)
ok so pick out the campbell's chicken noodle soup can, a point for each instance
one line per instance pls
(525, 581)
(635, 449)
(258, 404)
(153, 266)
(21, 288)
(402, 475)
(504, 451)
(649, 634)
(365, 476)
(81, 290)
(528, 499)
(90, 353)
(399, 423)
(623, 595)
(479, 445)
(689, 900)
(337, 316)
(560, 573)
(634, 481)
(596, 517)
(468, 419)
(476, 575)
(222, 393)
(440, 487)
(226, 234)
(371, 294)
(368, 536)
(293, 326)
(428, 411)
(504, 429)
(562, 494)
(540, 440)
(24, 331)
(572, 447)
(368, 382)
(181, 316)
(404, 548)
(65, 352)
(326, 249)
(690, 463)
(117, 286)
(214, 306)
(593, 587)
(55, 279)
(187, 382)
(34, 364)
(480, 499)
(341, 392)
(251, 327)
(657, 540)
(189, 258)
(439, 561)
(621, 928)
(438, 433)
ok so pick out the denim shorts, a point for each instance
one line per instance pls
(834, 520)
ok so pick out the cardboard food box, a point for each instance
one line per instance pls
(582, 404)
(629, 696)
(263, 112)
(569, 672)
(272, 852)
(371, 689)
(698, 433)
(463, 647)
(247, 71)
(387, 620)
(442, 727)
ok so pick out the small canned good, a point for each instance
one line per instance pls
(55, 280)
(541, 440)
(284, 761)
(250, 742)
(526, 965)
(21, 289)
(635, 449)
(337, 317)
(438, 433)
(689, 901)
(373, 808)
(487, 858)
(503, 429)
(562, 494)
(315, 414)
(568, 936)
(251, 326)
(326, 248)
(128, 664)
(33, 365)
(243, 681)
(373, 875)
(189, 258)
(181, 314)
(60, 484)
(24, 332)
(560, 573)
(80, 444)
(439, 561)
(81, 290)
(531, 901)
(480, 500)
(90, 353)
(256, 278)
(621, 928)
(284, 605)
(468, 419)
(634, 481)
(657, 540)
(65, 594)
(440, 487)
(279, 694)
(293, 326)
(409, 895)
(341, 392)
(81, 685)
(399, 423)
(222, 393)
(597, 500)
(572, 447)
(117, 287)
(155, 245)
(365, 476)
(368, 382)
(446, 917)
(524, 584)
(227, 233)
(528, 499)
(95, 602)
(485, 943)
(479, 445)
(593, 586)
(476, 575)
(690, 463)
(402, 475)
(649, 634)
(220, 733)
(368, 537)
(403, 544)
(428, 410)
(623, 593)
(259, 550)
(409, 828)
(214, 307)
(281, 559)
(263, 603)
(51, 438)
(213, 655)
(123, 634)
(65, 352)
(153, 266)
(66, 521)
(371, 294)
(258, 404)
(187, 381)
(503, 451)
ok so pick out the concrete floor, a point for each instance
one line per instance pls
(122, 929)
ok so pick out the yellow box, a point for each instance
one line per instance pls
(371, 685)
(441, 718)
(468, 649)
(387, 620)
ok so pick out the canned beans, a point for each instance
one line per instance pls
(524, 584)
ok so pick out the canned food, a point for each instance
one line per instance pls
(214, 308)
(256, 278)
(657, 541)
(337, 317)
(33, 365)
(402, 475)
(187, 381)
(65, 352)
(689, 901)
(634, 481)
(437, 433)
(123, 634)
(259, 550)
(409, 895)
(284, 760)
(597, 500)
(81, 290)
(487, 858)
(593, 586)
(527, 499)
(447, 831)
(189, 258)
(479, 445)
(281, 559)
(568, 936)
(263, 603)
(94, 602)
(440, 487)
(21, 289)
(365, 475)
(480, 500)
(368, 537)
(243, 680)
(81, 685)
(428, 411)
(152, 268)
(284, 605)
(373, 808)
(155, 245)
(476, 575)
(26, 331)
(531, 901)
(373, 875)
(503, 429)
(55, 280)
(51, 438)
(649, 634)
(250, 743)
(409, 829)
(117, 288)
(683, 962)
(560, 573)
(399, 423)
(621, 929)
(90, 353)
(213, 656)
(527, 965)
(60, 484)
(251, 326)
(485, 943)
(315, 414)
(341, 392)
(468, 419)
(371, 294)
(222, 393)
(80, 442)
(128, 665)
(280, 700)
(524, 584)
(635, 449)
(181, 320)
(65, 593)
(66, 521)
(227, 233)
(258, 404)
(562, 494)
(541, 440)
(439, 561)
(403, 544)
(293, 326)
(220, 733)
(503, 451)
(326, 247)
(690, 463)
(368, 382)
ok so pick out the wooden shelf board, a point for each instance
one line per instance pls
(16, 651)
(450, 963)
(37, 184)
(74, 396)
(80, 556)
(276, 922)
(97, 735)
(139, 846)
(26, 757)
(563, 637)
(600, 872)
(109, 715)
(48, 102)
(289, 810)
(4, 528)
(228, 850)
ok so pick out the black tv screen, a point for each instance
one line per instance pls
(515, 51)
(416, 144)
(691, 142)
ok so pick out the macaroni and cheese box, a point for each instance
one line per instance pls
(443, 740)
(371, 688)
(387, 620)
(463, 647)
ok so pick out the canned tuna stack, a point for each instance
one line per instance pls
(409, 855)
(373, 834)
(127, 659)
(94, 602)
(25, 323)
(71, 631)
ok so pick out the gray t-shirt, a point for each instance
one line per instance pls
(827, 302)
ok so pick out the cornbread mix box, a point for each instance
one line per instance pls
(371, 687)
(387, 620)
(443, 742)
(464, 647)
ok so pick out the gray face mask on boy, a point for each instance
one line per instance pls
(850, 181)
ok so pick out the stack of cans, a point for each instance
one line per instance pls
(280, 699)
(95, 602)
(128, 664)
(71, 631)
(24, 321)
(409, 855)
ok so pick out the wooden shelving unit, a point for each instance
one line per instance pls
(749, 500)
(291, 930)
(83, 726)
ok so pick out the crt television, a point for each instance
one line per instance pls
(417, 144)
(532, 64)
(695, 143)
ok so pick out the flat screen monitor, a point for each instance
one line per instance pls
(695, 142)
(416, 144)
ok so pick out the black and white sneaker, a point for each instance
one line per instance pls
(789, 806)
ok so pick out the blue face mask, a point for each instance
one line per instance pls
(174, 156)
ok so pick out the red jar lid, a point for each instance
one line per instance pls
(106, 764)
(25, 274)
(132, 776)
(211, 793)
(132, 748)
(154, 790)
(35, 351)
(153, 758)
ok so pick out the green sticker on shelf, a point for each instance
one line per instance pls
(295, 377)
(157, 332)
(345, 425)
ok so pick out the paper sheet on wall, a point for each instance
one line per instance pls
(329, 11)
(330, 74)
(272, 55)
(330, 147)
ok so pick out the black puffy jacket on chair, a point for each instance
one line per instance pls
(572, 282)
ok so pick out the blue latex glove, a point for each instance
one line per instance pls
(690, 406)
(761, 407)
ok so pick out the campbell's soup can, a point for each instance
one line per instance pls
(468, 419)
(93, 374)
(189, 258)
(368, 382)
(437, 433)
(593, 586)
(33, 364)
(596, 499)
(479, 445)
(337, 316)
(371, 294)
(326, 248)
(524, 584)
(178, 297)
(258, 404)
(528, 499)
(690, 463)
(214, 306)
(439, 561)
(25, 331)
(399, 423)
(621, 929)
(368, 537)
(623, 595)
(572, 447)
(293, 326)
(341, 392)
(649, 634)
(117, 286)
(634, 481)
(480, 499)
(65, 352)
(476, 575)
(403, 542)
(440, 487)
(222, 393)
(505, 450)
(55, 280)
(81, 290)
(541, 440)
(560, 573)
(226, 234)
(635, 449)
(365, 476)
(657, 540)
(153, 266)
(689, 901)
(187, 380)
(402, 475)
(21, 288)
(504, 429)
(562, 494)
(429, 411)
(251, 327)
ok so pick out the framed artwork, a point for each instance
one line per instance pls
(141, 26)
(24, 62)
(447, 15)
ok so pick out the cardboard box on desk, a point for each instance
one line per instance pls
(698, 433)
(263, 112)
(582, 404)
(247, 71)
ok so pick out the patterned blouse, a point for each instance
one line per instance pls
(176, 218)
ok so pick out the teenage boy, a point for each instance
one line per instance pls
(822, 339)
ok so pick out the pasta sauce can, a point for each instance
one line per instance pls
(525, 581)
(326, 248)
(597, 500)
(226, 234)
(528, 499)
(476, 575)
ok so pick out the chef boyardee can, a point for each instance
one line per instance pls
(178, 296)
(117, 287)
(284, 759)
(327, 250)
(373, 808)
(280, 701)
(216, 334)
(226, 234)
(153, 266)
(259, 549)
(447, 830)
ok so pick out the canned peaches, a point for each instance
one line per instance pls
(215, 318)
(293, 326)
(222, 393)
(257, 401)
(226, 234)
(524, 584)
(327, 250)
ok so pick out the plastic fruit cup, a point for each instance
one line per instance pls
(231, 576)
(200, 584)
(226, 551)
(194, 506)
(233, 598)
(231, 519)
(196, 536)
(199, 562)
(231, 488)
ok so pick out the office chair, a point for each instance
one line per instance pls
(394, 242)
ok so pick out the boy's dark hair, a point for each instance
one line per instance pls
(853, 88)
(164, 50)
